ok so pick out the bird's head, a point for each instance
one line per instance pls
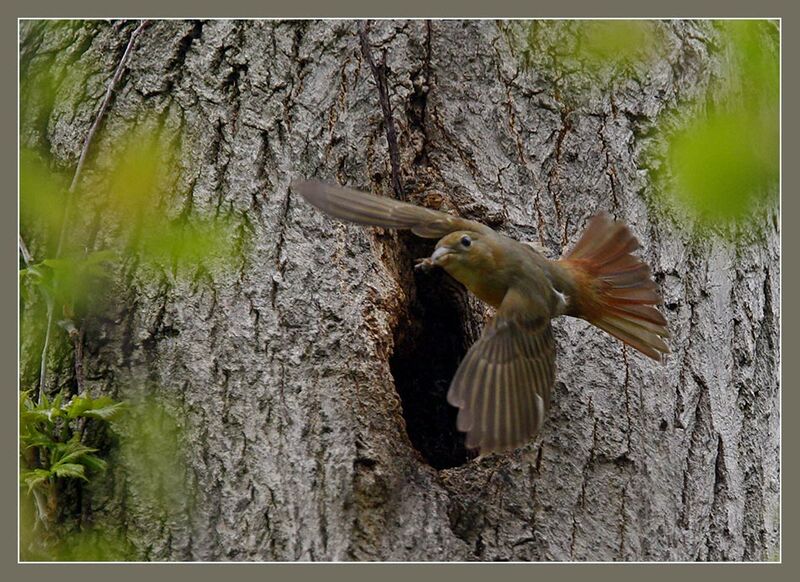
(456, 247)
(472, 258)
(463, 254)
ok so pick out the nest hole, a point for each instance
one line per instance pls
(429, 346)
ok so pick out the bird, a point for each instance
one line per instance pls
(502, 387)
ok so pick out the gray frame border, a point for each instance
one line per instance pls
(408, 8)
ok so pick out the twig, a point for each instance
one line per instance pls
(379, 74)
(77, 340)
(73, 185)
(41, 508)
(28, 258)
(26, 255)
(100, 114)
(106, 100)
(43, 366)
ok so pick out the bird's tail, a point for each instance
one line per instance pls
(614, 289)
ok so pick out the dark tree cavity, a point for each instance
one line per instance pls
(429, 347)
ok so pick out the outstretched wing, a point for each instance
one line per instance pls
(371, 210)
(503, 385)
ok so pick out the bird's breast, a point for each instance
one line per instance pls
(486, 284)
(489, 291)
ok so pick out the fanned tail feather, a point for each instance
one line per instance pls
(614, 289)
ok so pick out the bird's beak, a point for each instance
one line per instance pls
(438, 255)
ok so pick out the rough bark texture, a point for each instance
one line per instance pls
(291, 373)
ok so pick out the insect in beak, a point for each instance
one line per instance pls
(435, 260)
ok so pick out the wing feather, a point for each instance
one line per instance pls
(502, 388)
(371, 210)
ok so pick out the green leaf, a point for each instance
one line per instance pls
(616, 42)
(102, 408)
(72, 279)
(94, 463)
(724, 162)
(70, 451)
(42, 194)
(73, 470)
(36, 439)
(34, 477)
(25, 397)
(106, 413)
(188, 243)
(77, 406)
(55, 408)
(138, 171)
(36, 415)
(723, 166)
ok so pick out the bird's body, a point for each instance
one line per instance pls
(502, 387)
(496, 263)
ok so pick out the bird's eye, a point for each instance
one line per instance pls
(465, 241)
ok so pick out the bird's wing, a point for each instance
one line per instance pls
(371, 210)
(503, 384)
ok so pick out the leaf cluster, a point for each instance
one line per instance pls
(50, 439)
(68, 280)
(725, 160)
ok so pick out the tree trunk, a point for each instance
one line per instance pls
(308, 380)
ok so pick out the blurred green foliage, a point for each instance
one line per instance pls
(754, 52)
(134, 179)
(94, 544)
(725, 160)
(131, 198)
(129, 195)
(124, 215)
(189, 243)
(615, 43)
(140, 170)
(579, 56)
(41, 196)
(720, 155)
(79, 543)
(71, 282)
(152, 454)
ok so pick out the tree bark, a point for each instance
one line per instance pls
(309, 379)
